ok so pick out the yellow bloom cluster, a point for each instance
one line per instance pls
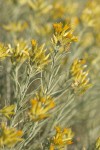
(58, 10)
(62, 138)
(98, 144)
(3, 51)
(7, 111)
(35, 55)
(90, 18)
(81, 82)
(39, 5)
(91, 13)
(40, 108)
(38, 56)
(63, 36)
(9, 136)
(19, 53)
(16, 27)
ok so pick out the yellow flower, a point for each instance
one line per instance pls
(39, 6)
(9, 136)
(91, 14)
(63, 36)
(52, 147)
(74, 22)
(15, 27)
(98, 144)
(8, 111)
(40, 108)
(62, 138)
(80, 80)
(34, 43)
(19, 53)
(38, 55)
(3, 51)
(58, 10)
(77, 66)
(58, 27)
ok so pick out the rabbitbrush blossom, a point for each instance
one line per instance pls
(9, 136)
(15, 27)
(38, 56)
(63, 36)
(98, 144)
(80, 76)
(7, 111)
(3, 51)
(18, 53)
(40, 108)
(61, 139)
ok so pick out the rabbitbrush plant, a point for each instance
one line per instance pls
(42, 90)
(49, 78)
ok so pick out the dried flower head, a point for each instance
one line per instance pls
(40, 108)
(80, 80)
(62, 138)
(9, 136)
(7, 111)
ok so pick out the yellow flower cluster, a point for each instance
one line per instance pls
(91, 13)
(39, 5)
(16, 27)
(38, 56)
(9, 136)
(62, 138)
(3, 51)
(7, 111)
(40, 108)
(19, 53)
(58, 10)
(98, 144)
(63, 36)
(81, 82)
